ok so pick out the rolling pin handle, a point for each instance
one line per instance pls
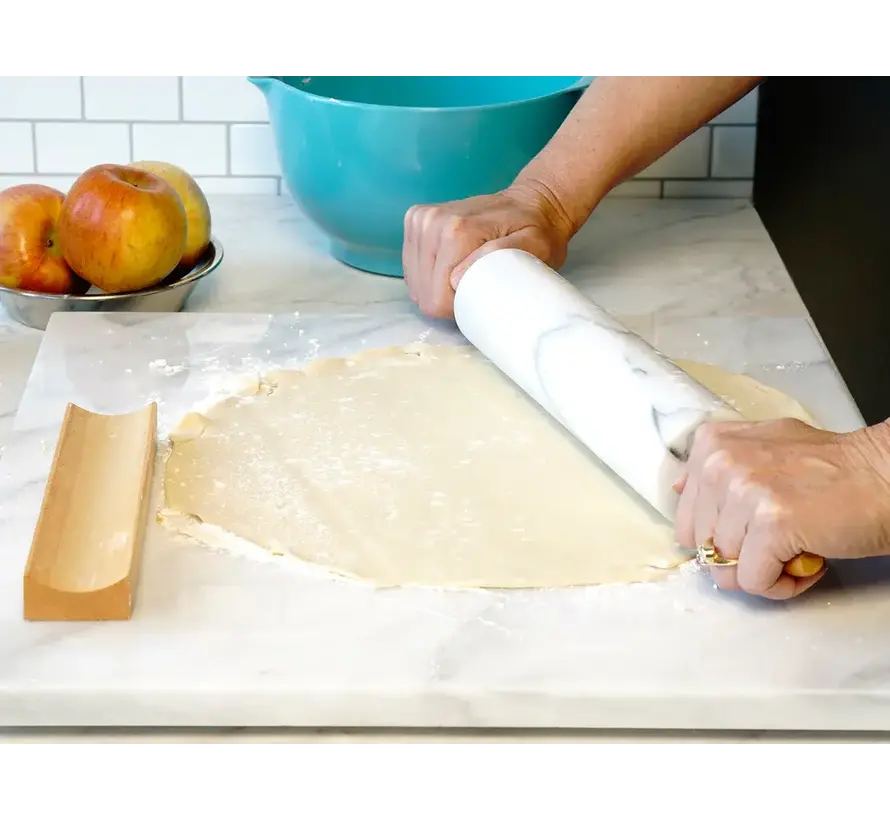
(804, 565)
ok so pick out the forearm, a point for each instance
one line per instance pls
(620, 126)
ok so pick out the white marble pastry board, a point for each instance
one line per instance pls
(218, 640)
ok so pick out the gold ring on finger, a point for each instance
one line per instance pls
(709, 555)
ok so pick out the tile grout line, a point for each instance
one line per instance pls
(712, 188)
(137, 121)
(34, 147)
(105, 121)
(710, 152)
(181, 117)
(707, 180)
(660, 180)
(661, 187)
(28, 174)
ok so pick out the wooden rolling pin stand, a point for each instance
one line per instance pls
(85, 555)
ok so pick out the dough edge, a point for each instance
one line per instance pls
(194, 422)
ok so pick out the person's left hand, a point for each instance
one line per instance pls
(766, 492)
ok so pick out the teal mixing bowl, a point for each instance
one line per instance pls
(357, 152)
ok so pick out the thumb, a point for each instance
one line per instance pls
(520, 240)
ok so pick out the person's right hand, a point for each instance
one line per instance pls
(766, 492)
(442, 241)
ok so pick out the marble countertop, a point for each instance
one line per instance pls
(654, 261)
(700, 278)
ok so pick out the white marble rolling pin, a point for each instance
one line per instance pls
(631, 406)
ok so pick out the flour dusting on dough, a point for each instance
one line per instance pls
(420, 465)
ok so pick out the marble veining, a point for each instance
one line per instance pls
(222, 641)
(660, 417)
(634, 409)
(653, 370)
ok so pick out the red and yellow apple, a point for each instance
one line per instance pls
(121, 228)
(30, 253)
(197, 210)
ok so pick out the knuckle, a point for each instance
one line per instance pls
(742, 483)
(709, 435)
(458, 227)
(409, 216)
(770, 514)
(705, 442)
(421, 216)
(454, 226)
(715, 466)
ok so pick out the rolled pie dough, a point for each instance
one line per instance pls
(425, 465)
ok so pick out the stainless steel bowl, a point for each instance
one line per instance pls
(35, 309)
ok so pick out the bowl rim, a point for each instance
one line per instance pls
(201, 269)
(580, 84)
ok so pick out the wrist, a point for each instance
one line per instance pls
(868, 452)
(870, 449)
(545, 197)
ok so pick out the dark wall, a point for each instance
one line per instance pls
(822, 189)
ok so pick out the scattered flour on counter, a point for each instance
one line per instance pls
(792, 366)
(161, 366)
(681, 588)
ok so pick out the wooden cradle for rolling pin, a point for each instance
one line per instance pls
(84, 559)
(633, 408)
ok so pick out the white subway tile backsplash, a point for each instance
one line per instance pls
(16, 147)
(238, 185)
(708, 188)
(689, 159)
(222, 99)
(649, 188)
(199, 149)
(210, 185)
(744, 112)
(72, 147)
(60, 183)
(253, 151)
(40, 98)
(131, 98)
(217, 128)
(734, 147)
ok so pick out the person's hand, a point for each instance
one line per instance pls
(766, 492)
(442, 241)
